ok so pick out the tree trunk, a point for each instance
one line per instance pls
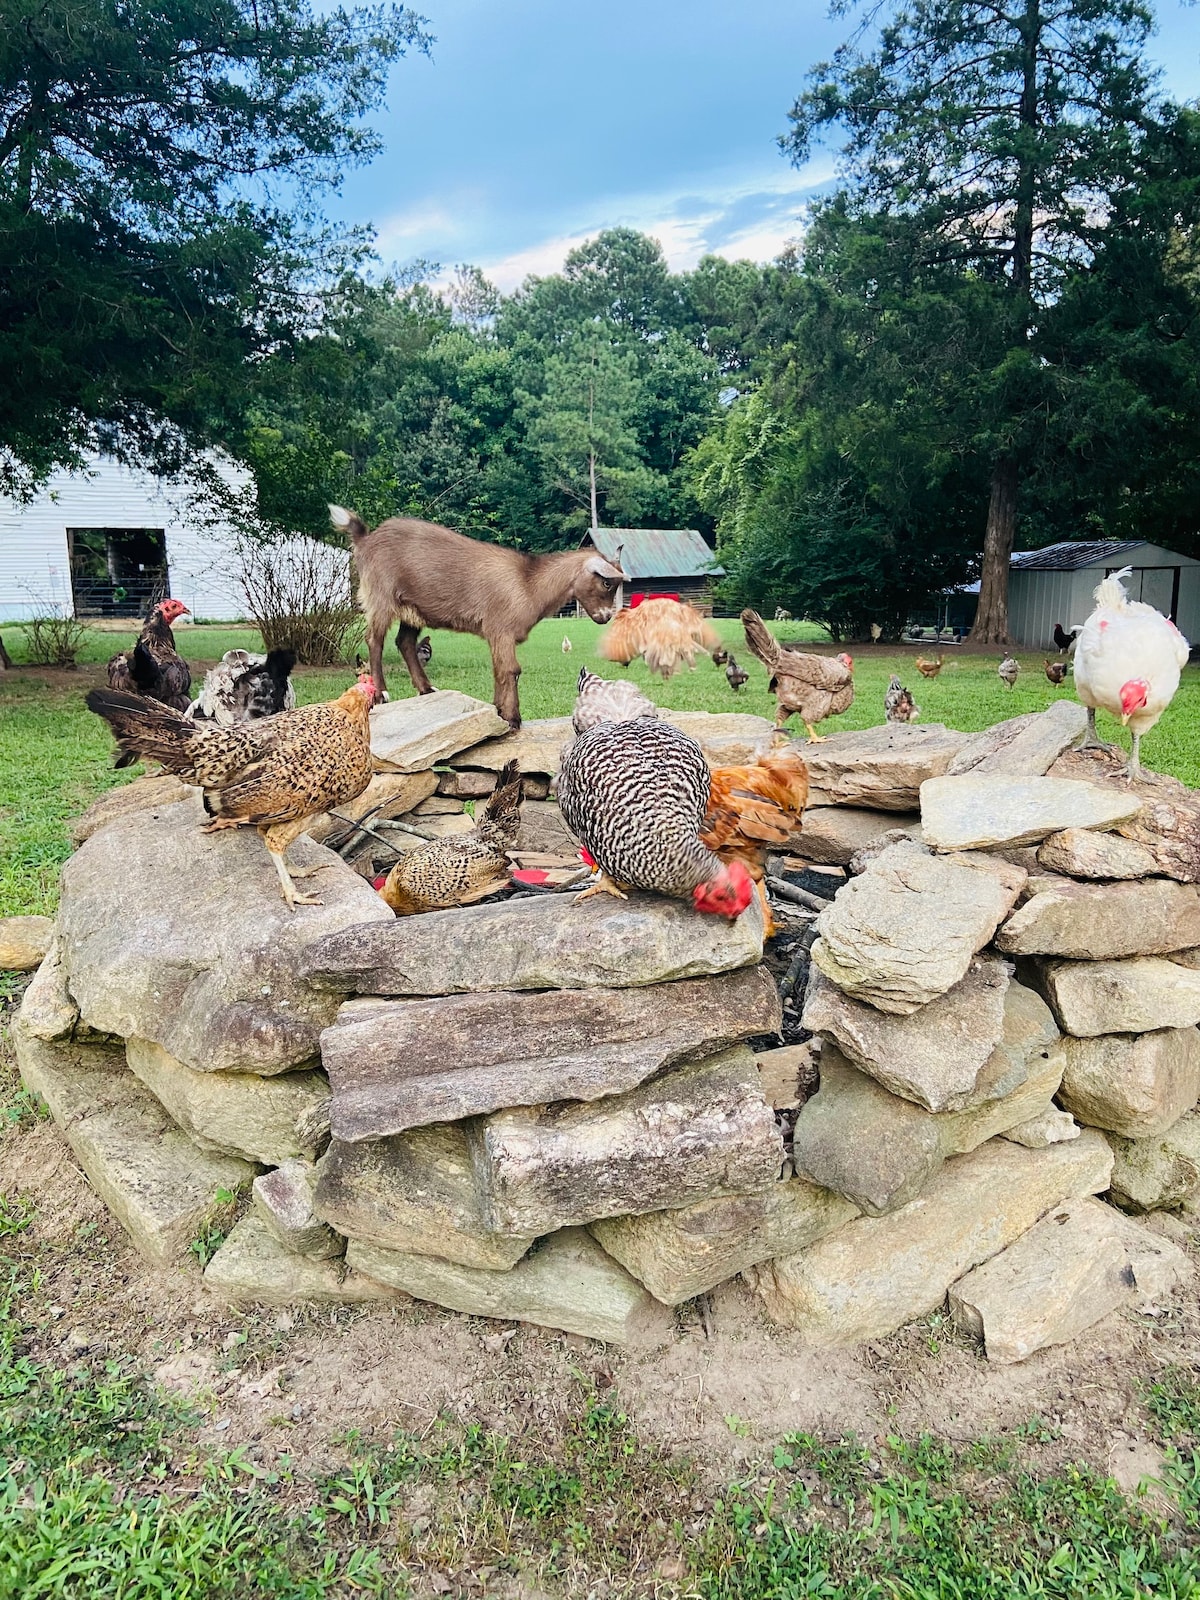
(592, 484)
(991, 619)
(5, 658)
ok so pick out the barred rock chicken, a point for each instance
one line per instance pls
(815, 687)
(1056, 671)
(1008, 670)
(635, 795)
(736, 677)
(276, 774)
(154, 668)
(245, 686)
(929, 669)
(665, 633)
(425, 650)
(753, 808)
(605, 700)
(898, 703)
(465, 868)
(1127, 661)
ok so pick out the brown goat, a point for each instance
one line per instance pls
(426, 576)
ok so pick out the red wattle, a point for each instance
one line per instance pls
(587, 858)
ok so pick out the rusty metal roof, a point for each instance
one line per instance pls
(656, 552)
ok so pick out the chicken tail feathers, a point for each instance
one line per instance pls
(759, 640)
(145, 729)
(1110, 595)
(278, 668)
(502, 813)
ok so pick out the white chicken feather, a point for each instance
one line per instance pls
(1128, 658)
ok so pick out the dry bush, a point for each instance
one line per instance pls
(299, 596)
(53, 637)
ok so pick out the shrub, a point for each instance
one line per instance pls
(298, 593)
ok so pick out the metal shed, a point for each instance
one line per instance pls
(675, 560)
(1056, 584)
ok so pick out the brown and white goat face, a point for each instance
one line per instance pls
(598, 588)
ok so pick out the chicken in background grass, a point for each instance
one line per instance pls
(720, 656)
(1128, 658)
(465, 868)
(898, 704)
(567, 646)
(275, 775)
(929, 669)
(754, 809)
(813, 687)
(154, 668)
(1008, 670)
(1056, 672)
(245, 686)
(736, 677)
(665, 633)
(1062, 639)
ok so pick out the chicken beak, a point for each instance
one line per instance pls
(1125, 716)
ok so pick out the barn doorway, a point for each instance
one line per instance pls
(117, 572)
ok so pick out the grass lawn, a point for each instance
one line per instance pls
(55, 756)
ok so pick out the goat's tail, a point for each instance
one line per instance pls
(348, 522)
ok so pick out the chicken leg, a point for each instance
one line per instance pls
(1092, 740)
(277, 838)
(603, 885)
(813, 736)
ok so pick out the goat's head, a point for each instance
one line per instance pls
(597, 587)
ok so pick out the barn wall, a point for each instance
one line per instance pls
(1039, 599)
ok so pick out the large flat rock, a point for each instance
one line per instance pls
(1135, 996)
(680, 1254)
(546, 943)
(1168, 823)
(1085, 853)
(148, 793)
(832, 835)
(1157, 1173)
(877, 1273)
(1137, 1085)
(568, 1282)
(418, 1193)
(979, 810)
(414, 734)
(397, 1064)
(881, 768)
(880, 1152)
(694, 1133)
(1023, 747)
(904, 931)
(24, 942)
(1105, 921)
(252, 1267)
(157, 1184)
(183, 938)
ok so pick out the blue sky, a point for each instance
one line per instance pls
(538, 122)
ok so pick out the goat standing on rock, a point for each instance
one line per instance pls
(426, 576)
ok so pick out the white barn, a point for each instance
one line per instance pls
(107, 540)
(1056, 585)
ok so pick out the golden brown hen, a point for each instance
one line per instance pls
(275, 774)
(813, 686)
(665, 633)
(460, 870)
(751, 809)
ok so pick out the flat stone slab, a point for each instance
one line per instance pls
(1157, 1173)
(696, 1132)
(881, 768)
(1084, 853)
(1105, 921)
(880, 1152)
(728, 739)
(568, 1282)
(904, 931)
(833, 835)
(238, 1113)
(1168, 823)
(418, 1193)
(1023, 747)
(545, 943)
(253, 1268)
(1135, 996)
(1048, 1127)
(935, 1054)
(680, 1254)
(148, 793)
(397, 1064)
(542, 828)
(877, 1273)
(413, 735)
(161, 1189)
(978, 810)
(47, 1010)
(210, 974)
(284, 1200)
(24, 942)
(1137, 1085)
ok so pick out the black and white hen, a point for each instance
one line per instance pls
(245, 686)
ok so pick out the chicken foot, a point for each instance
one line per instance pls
(290, 893)
(603, 885)
(813, 736)
(1091, 739)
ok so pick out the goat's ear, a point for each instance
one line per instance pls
(603, 569)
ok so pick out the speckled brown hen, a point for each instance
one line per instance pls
(812, 687)
(468, 867)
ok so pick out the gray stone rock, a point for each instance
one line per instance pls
(546, 943)
(728, 738)
(1105, 921)
(1048, 1127)
(1023, 747)
(389, 794)
(239, 1113)
(143, 794)
(417, 1193)
(935, 1054)
(881, 768)
(542, 828)
(904, 931)
(1168, 823)
(977, 810)
(787, 1074)
(567, 1282)
(284, 1200)
(182, 937)
(880, 1152)
(415, 734)
(696, 1132)
(1137, 1085)
(833, 835)
(253, 1268)
(1182, 958)
(47, 1010)
(1084, 853)
(536, 746)
(1156, 1173)
(877, 1273)
(439, 805)
(24, 942)
(162, 1190)
(401, 1063)
(1136, 996)
(680, 1254)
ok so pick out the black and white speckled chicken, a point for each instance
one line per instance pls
(608, 700)
(635, 795)
(898, 703)
(245, 686)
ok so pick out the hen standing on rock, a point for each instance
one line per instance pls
(460, 870)
(816, 687)
(154, 668)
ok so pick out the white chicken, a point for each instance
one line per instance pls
(1128, 658)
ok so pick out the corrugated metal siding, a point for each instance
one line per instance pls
(653, 552)
(1038, 599)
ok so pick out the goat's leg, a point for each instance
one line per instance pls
(376, 635)
(506, 671)
(406, 643)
